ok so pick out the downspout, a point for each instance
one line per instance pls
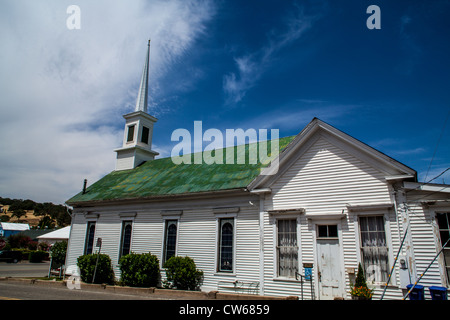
(261, 193)
(68, 240)
(261, 243)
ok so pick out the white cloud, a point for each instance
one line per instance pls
(251, 67)
(62, 92)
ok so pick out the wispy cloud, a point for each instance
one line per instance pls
(252, 66)
(63, 91)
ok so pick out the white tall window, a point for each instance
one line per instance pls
(374, 249)
(170, 241)
(125, 242)
(226, 245)
(287, 248)
(89, 241)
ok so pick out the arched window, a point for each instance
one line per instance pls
(171, 240)
(90, 233)
(226, 245)
(126, 238)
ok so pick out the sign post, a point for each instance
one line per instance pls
(99, 245)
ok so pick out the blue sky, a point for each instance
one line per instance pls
(231, 64)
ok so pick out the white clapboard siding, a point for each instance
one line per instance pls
(328, 188)
(323, 180)
(76, 239)
(197, 238)
(147, 233)
(424, 243)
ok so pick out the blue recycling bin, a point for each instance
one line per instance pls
(416, 293)
(438, 293)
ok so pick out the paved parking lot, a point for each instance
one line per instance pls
(24, 269)
(24, 291)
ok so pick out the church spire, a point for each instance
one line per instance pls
(142, 99)
(137, 141)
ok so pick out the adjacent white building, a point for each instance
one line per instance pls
(333, 203)
(55, 236)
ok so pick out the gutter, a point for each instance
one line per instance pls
(193, 195)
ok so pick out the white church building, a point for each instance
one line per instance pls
(334, 202)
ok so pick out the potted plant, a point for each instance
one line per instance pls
(359, 290)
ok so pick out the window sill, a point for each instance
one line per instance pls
(226, 274)
(281, 279)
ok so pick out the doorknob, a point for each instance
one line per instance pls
(320, 276)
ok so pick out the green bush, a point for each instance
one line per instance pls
(182, 274)
(139, 270)
(104, 274)
(37, 256)
(58, 252)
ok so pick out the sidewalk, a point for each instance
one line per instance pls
(156, 292)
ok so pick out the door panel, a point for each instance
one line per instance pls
(328, 254)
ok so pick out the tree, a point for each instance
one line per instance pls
(18, 240)
(18, 213)
(46, 221)
(58, 252)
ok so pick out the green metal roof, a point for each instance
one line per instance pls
(161, 177)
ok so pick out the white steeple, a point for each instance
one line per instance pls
(137, 141)
(142, 99)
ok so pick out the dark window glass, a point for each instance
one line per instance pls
(327, 231)
(90, 233)
(171, 239)
(323, 231)
(126, 238)
(226, 245)
(332, 231)
(145, 134)
(130, 136)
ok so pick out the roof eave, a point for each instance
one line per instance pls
(156, 198)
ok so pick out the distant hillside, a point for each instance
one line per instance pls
(36, 214)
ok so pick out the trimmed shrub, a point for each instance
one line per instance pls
(37, 256)
(104, 274)
(139, 270)
(182, 274)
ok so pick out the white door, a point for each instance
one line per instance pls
(329, 267)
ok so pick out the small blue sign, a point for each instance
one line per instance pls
(308, 273)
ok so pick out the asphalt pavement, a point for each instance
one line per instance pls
(10, 290)
(24, 269)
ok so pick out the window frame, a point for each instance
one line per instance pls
(221, 222)
(165, 216)
(277, 247)
(387, 239)
(131, 132)
(125, 223)
(441, 242)
(327, 236)
(87, 239)
(145, 134)
(166, 234)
